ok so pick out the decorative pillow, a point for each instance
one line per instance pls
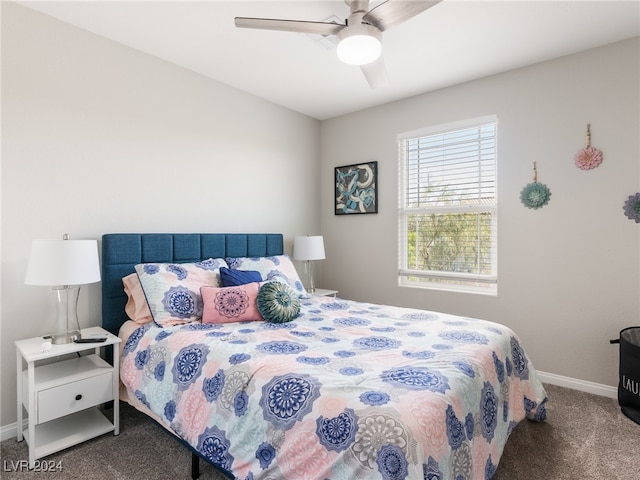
(137, 307)
(277, 303)
(278, 268)
(173, 289)
(230, 304)
(231, 277)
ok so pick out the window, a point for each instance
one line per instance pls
(448, 207)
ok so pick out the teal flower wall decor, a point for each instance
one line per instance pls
(632, 207)
(535, 195)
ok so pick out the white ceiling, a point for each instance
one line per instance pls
(453, 42)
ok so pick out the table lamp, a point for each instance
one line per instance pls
(64, 265)
(307, 249)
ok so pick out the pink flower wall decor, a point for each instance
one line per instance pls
(588, 158)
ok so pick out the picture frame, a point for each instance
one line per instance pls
(356, 188)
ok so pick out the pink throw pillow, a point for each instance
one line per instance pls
(230, 304)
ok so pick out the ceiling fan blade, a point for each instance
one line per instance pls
(320, 28)
(375, 73)
(394, 12)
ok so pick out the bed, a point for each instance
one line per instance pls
(345, 390)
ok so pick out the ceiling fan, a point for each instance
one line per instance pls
(360, 37)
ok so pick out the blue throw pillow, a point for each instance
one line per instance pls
(278, 303)
(232, 278)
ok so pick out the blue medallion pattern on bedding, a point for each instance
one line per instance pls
(172, 290)
(346, 390)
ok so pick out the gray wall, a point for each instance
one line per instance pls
(99, 138)
(569, 272)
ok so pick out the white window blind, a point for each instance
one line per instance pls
(448, 207)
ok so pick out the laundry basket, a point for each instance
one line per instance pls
(629, 382)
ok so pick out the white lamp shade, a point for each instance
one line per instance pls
(63, 262)
(308, 248)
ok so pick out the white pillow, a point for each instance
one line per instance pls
(278, 268)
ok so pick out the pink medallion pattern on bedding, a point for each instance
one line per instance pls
(346, 390)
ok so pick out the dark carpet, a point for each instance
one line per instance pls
(585, 437)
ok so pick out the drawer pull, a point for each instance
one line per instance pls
(78, 397)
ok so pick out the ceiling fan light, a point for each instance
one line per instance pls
(359, 49)
(359, 45)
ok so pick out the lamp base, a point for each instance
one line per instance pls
(68, 337)
(67, 327)
(308, 273)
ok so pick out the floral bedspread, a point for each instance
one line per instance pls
(346, 391)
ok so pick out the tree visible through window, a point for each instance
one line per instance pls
(448, 207)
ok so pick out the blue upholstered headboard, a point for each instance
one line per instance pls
(121, 252)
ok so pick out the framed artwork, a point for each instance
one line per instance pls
(356, 188)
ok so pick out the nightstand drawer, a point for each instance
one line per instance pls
(75, 396)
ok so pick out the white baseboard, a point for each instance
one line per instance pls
(10, 431)
(580, 385)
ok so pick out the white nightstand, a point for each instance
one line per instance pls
(62, 398)
(321, 292)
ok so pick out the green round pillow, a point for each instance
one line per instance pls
(278, 303)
